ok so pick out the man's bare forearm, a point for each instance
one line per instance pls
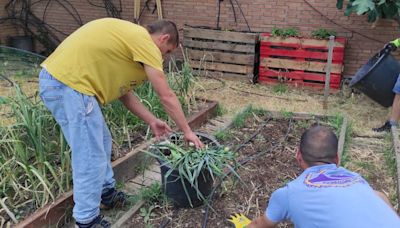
(133, 104)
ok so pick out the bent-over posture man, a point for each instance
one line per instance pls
(100, 62)
(326, 195)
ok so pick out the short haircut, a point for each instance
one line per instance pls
(318, 144)
(165, 27)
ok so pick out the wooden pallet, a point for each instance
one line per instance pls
(299, 61)
(225, 54)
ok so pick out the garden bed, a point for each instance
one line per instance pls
(266, 147)
(125, 168)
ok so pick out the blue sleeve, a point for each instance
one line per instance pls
(277, 210)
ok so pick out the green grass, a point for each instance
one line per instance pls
(220, 110)
(390, 157)
(240, 119)
(280, 88)
(286, 114)
(222, 135)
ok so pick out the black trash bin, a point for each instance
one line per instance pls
(377, 77)
(174, 187)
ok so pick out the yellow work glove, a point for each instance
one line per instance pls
(239, 220)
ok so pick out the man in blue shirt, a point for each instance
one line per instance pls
(326, 195)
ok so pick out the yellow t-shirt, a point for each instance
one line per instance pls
(104, 58)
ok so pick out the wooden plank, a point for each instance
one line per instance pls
(328, 72)
(301, 53)
(209, 34)
(300, 65)
(124, 220)
(225, 75)
(299, 83)
(124, 169)
(303, 42)
(196, 120)
(396, 147)
(226, 67)
(49, 215)
(300, 75)
(215, 56)
(215, 45)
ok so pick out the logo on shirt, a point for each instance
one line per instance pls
(323, 180)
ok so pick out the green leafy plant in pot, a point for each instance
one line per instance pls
(188, 174)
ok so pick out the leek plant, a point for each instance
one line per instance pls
(193, 164)
(35, 164)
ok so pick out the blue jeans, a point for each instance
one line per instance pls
(396, 88)
(87, 134)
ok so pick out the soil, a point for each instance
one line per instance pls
(273, 165)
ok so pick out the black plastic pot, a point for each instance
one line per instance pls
(174, 189)
(174, 186)
(377, 77)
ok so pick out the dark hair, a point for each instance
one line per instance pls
(318, 144)
(165, 27)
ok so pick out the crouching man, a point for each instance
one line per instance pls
(326, 195)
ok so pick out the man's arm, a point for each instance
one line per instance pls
(133, 104)
(261, 222)
(170, 102)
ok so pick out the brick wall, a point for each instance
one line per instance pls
(261, 15)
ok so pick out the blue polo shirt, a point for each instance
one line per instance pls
(328, 196)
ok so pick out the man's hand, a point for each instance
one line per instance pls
(159, 128)
(192, 137)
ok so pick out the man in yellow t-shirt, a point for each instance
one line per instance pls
(100, 62)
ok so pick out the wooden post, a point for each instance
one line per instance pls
(328, 71)
(342, 139)
(396, 148)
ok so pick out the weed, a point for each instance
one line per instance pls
(286, 114)
(222, 135)
(336, 122)
(220, 110)
(303, 124)
(146, 213)
(152, 193)
(280, 88)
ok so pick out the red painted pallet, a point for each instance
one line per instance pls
(302, 61)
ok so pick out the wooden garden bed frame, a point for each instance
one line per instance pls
(124, 169)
